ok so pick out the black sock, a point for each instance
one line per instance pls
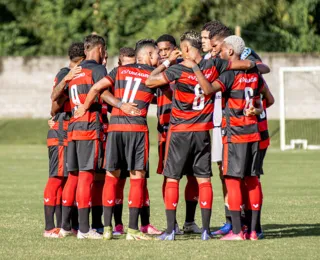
(133, 218)
(145, 215)
(228, 215)
(74, 218)
(236, 221)
(96, 217)
(117, 212)
(247, 219)
(171, 220)
(58, 213)
(84, 225)
(259, 228)
(254, 219)
(190, 210)
(107, 216)
(49, 217)
(66, 215)
(206, 216)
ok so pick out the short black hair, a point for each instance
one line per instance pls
(167, 38)
(92, 41)
(127, 52)
(209, 26)
(76, 50)
(221, 31)
(193, 37)
(144, 43)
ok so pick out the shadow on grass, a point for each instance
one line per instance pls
(291, 230)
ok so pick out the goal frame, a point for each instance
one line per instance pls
(283, 145)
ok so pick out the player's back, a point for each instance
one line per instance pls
(129, 87)
(88, 126)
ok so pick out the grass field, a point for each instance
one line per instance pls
(291, 211)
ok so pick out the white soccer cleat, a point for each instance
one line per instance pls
(65, 233)
(92, 234)
(191, 227)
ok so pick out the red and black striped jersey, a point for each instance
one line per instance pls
(57, 135)
(129, 86)
(191, 109)
(240, 90)
(89, 126)
(164, 105)
(263, 127)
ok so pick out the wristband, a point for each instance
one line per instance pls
(195, 68)
(119, 104)
(166, 63)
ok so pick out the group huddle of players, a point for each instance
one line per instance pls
(90, 156)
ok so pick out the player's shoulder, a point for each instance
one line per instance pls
(63, 72)
(92, 65)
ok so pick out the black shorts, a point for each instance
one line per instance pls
(57, 161)
(261, 156)
(127, 150)
(84, 155)
(188, 153)
(240, 160)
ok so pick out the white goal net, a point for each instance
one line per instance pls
(299, 108)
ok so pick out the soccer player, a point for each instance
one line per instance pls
(128, 141)
(188, 143)
(240, 137)
(205, 40)
(57, 144)
(167, 44)
(218, 32)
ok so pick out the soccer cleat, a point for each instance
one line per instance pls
(230, 236)
(260, 235)
(133, 234)
(107, 235)
(205, 235)
(74, 231)
(191, 227)
(53, 233)
(253, 236)
(92, 234)
(177, 230)
(100, 230)
(65, 233)
(225, 229)
(118, 230)
(149, 229)
(165, 236)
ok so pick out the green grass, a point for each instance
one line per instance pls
(290, 213)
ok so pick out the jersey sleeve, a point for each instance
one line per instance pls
(226, 80)
(221, 65)
(249, 54)
(59, 77)
(172, 73)
(98, 73)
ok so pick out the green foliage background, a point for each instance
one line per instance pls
(47, 27)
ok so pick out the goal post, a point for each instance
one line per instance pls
(303, 109)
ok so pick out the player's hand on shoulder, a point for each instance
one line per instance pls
(174, 55)
(80, 111)
(73, 72)
(130, 109)
(51, 122)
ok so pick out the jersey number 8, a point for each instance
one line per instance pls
(198, 102)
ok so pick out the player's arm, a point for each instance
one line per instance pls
(263, 68)
(59, 89)
(252, 55)
(267, 95)
(157, 77)
(57, 105)
(255, 109)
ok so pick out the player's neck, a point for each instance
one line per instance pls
(143, 61)
(198, 58)
(234, 58)
(93, 56)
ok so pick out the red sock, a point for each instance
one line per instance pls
(172, 195)
(244, 193)
(109, 191)
(164, 188)
(205, 195)
(191, 192)
(136, 193)
(119, 191)
(51, 191)
(146, 199)
(234, 193)
(83, 195)
(96, 191)
(69, 190)
(254, 193)
(261, 192)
